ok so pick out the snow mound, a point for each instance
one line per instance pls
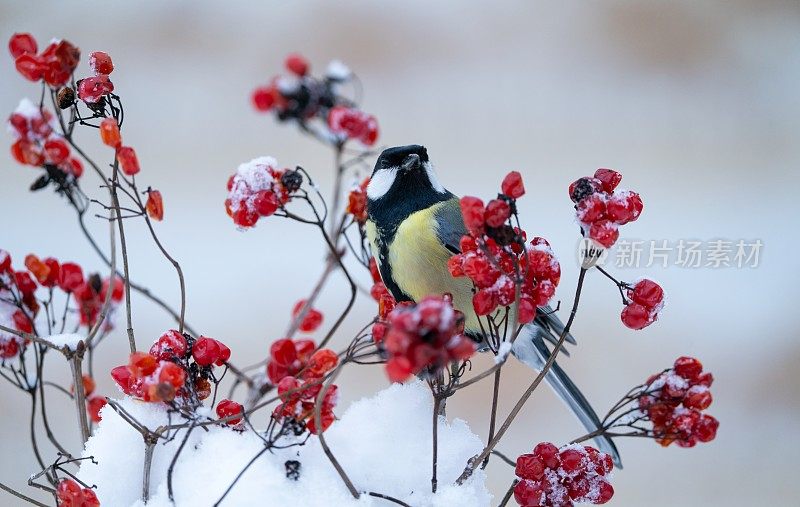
(383, 443)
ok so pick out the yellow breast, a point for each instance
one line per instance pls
(418, 263)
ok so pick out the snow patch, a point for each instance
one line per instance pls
(373, 438)
(69, 340)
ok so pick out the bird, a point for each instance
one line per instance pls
(414, 225)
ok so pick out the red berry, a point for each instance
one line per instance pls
(5, 261)
(370, 134)
(69, 494)
(26, 152)
(512, 185)
(25, 283)
(56, 151)
(529, 493)
(636, 316)
(30, 66)
(578, 487)
(172, 374)
(604, 232)
(699, 399)
(227, 408)
(142, 364)
(706, 379)
(9, 349)
(484, 302)
(155, 205)
(88, 385)
(109, 133)
(647, 293)
(283, 352)
(312, 319)
(169, 345)
(688, 367)
(124, 379)
(323, 361)
(572, 461)
(89, 497)
(591, 209)
(605, 492)
(75, 167)
(608, 178)
(473, 212)
(206, 351)
(203, 388)
(497, 212)
(399, 368)
(706, 428)
(266, 203)
(296, 64)
(549, 454)
(93, 407)
(117, 291)
(224, 353)
(22, 43)
(529, 467)
(527, 310)
(22, 322)
(263, 98)
(70, 277)
(92, 89)
(100, 63)
(128, 161)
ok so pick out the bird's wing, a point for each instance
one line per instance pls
(450, 225)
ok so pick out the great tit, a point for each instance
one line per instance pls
(414, 226)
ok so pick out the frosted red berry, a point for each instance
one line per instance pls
(93, 406)
(473, 211)
(609, 179)
(100, 63)
(70, 276)
(688, 367)
(56, 151)
(30, 66)
(604, 232)
(647, 293)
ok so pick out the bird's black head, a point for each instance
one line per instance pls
(403, 182)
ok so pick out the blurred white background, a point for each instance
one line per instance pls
(696, 103)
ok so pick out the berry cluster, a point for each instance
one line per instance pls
(646, 299)
(93, 90)
(497, 260)
(558, 477)
(177, 366)
(297, 367)
(357, 201)
(423, 338)
(37, 144)
(349, 123)
(600, 209)
(258, 189)
(674, 400)
(54, 65)
(70, 494)
(302, 97)
(19, 305)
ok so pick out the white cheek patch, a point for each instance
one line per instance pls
(381, 182)
(432, 178)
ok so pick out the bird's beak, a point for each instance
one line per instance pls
(412, 161)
